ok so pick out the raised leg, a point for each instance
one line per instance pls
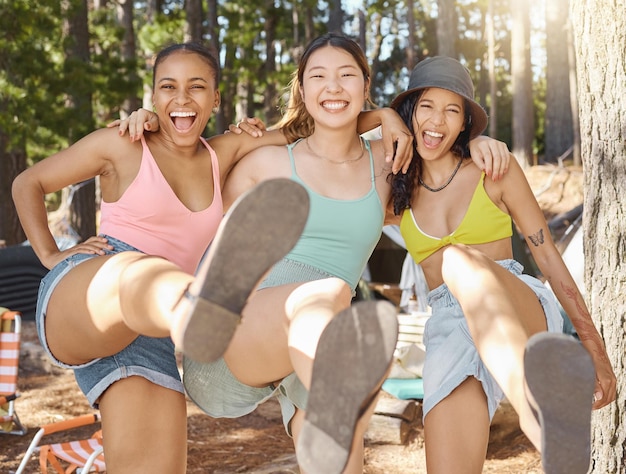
(508, 326)
(502, 312)
(261, 228)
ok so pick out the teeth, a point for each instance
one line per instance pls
(334, 105)
(182, 114)
(433, 134)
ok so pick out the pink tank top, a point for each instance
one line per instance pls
(150, 217)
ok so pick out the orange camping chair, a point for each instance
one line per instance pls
(10, 333)
(74, 456)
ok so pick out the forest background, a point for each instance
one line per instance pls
(71, 66)
(552, 76)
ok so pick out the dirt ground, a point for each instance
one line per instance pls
(257, 443)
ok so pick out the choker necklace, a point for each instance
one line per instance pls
(351, 160)
(434, 190)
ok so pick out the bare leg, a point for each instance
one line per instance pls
(101, 305)
(86, 317)
(502, 312)
(279, 333)
(310, 308)
(258, 231)
(456, 431)
(548, 378)
(141, 436)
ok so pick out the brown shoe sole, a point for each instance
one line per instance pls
(261, 228)
(560, 377)
(353, 356)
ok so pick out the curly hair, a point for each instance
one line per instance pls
(403, 185)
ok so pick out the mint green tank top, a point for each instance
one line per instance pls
(340, 235)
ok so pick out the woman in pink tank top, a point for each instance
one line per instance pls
(109, 305)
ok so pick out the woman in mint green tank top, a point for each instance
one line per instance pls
(324, 358)
(493, 331)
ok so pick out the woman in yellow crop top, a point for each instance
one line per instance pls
(493, 332)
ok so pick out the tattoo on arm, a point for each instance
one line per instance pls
(583, 323)
(537, 239)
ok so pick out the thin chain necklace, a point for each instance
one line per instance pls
(351, 160)
(434, 190)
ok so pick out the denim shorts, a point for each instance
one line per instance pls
(451, 355)
(148, 357)
(215, 389)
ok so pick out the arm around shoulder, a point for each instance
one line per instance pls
(231, 147)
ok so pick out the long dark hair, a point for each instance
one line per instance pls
(403, 185)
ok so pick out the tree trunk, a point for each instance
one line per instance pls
(377, 43)
(521, 74)
(193, 25)
(12, 162)
(362, 29)
(335, 16)
(229, 89)
(599, 28)
(447, 32)
(214, 40)
(558, 121)
(493, 83)
(82, 216)
(573, 93)
(129, 53)
(411, 56)
(271, 96)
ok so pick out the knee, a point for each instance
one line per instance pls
(132, 266)
(330, 292)
(464, 268)
(456, 263)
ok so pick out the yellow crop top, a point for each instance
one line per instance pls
(483, 222)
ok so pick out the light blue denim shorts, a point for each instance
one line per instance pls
(215, 389)
(148, 357)
(451, 355)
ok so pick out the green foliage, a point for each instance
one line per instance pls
(111, 75)
(28, 70)
(165, 30)
(539, 94)
(35, 78)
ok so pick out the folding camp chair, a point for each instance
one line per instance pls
(75, 456)
(10, 332)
